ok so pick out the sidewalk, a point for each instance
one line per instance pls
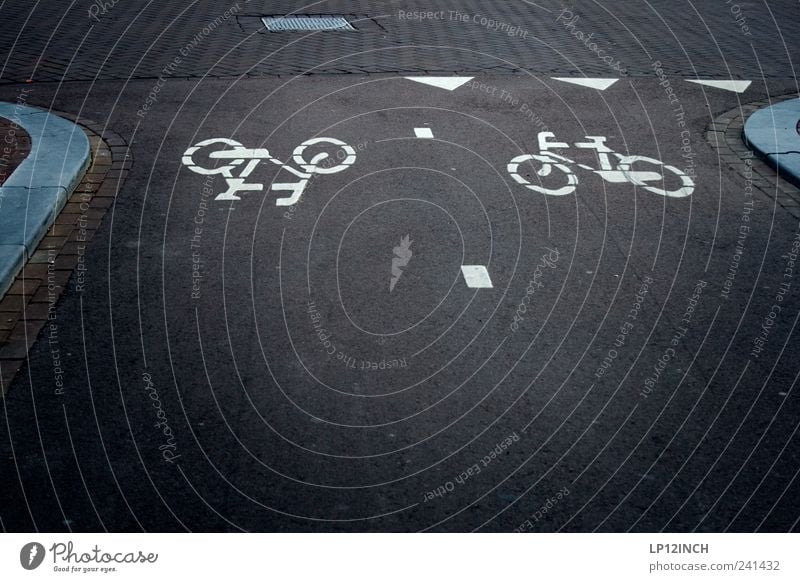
(38, 185)
(774, 133)
(58, 260)
(15, 145)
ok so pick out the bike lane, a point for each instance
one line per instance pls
(356, 359)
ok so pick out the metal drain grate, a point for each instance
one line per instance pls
(306, 23)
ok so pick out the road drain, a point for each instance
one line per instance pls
(304, 23)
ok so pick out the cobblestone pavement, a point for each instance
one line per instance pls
(107, 39)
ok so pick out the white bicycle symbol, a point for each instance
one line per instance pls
(623, 172)
(238, 154)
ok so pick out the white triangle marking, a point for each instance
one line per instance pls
(600, 84)
(737, 86)
(449, 83)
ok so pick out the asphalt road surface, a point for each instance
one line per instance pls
(448, 329)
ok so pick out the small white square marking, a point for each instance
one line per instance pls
(423, 132)
(476, 276)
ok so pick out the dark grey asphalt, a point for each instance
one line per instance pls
(274, 433)
(277, 380)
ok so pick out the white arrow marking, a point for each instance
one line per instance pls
(476, 276)
(423, 132)
(449, 83)
(599, 84)
(736, 86)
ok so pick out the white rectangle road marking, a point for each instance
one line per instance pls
(423, 132)
(476, 276)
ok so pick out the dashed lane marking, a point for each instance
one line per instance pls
(476, 276)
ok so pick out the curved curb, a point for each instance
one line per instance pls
(31, 198)
(30, 306)
(772, 133)
(725, 134)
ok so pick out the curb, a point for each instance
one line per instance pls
(29, 308)
(725, 134)
(772, 132)
(31, 198)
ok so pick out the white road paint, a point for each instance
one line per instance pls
(315, 165)
(449, 83)
(735, 86)
(321, 163)
(326, 155)
(648, 173)
(476, 276)
(599, 84)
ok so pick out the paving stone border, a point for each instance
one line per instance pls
(35, 292)
(726, 135)
(773, 133)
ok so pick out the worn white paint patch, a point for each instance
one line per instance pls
(449, 83)
(735, 86)
(423, 132)
(600, 84)
(476, 276)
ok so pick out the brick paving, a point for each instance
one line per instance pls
(33, 295)
(129, 39)
(15, 145)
